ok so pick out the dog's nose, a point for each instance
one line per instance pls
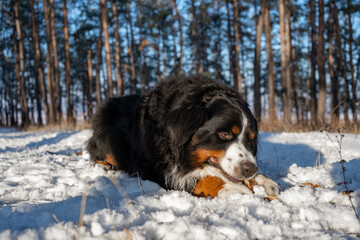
(248, 169)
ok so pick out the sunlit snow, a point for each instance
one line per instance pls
(42, 183)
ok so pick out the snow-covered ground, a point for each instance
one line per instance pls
(42, 183)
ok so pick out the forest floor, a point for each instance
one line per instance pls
(43, 185)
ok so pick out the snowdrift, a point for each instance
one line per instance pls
(43, 183)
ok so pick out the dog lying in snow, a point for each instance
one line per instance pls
(188, 133)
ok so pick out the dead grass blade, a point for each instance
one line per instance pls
(82, 211)
(121, 190)
(342, 161)
(139, 181)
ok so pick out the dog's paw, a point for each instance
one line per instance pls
(270, 186)
(231, 188)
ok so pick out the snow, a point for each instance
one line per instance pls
(43, 181)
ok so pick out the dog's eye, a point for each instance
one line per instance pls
(225, 136)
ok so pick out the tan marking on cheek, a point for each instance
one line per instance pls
(235, 130)
(252, 136)
(208, 186)
(200, 156)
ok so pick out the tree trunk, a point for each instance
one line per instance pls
(23, 100)
(339, 58)
(141, 55)
(49, 63)
(193, 36)
(158, 58)
(237, 75)
(120, 84)
(313, 101)
(17, 70)
(98, 65)
(333, 74)
(57, 87)
(69, 109)
(230, 43)
(321, 68)
(295, 83)
(90, 90)
(200, 35)
(174, 48)
(346, 89)
(85, 85)
(259, 21)
(104, 20)
(179, 67)
(271, 73)
(163, 55)
(217, 42)
(353, 83)
(286, 100)
(32, 93)
(39, 71)
(131, 50)
(288, 70)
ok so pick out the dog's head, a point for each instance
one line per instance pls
(218, 132)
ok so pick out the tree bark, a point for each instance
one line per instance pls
(23, 99)
(163, 56)
(104, 20)
(158, 58)
(174, 48)
(237, 75)
(295, 83)
(333, 74)
(259, 20)
(120, 84)
(131, 50)
(193, 36)
(286, 100)
(217, 42)
(179, 67)
(339, 59)
(57, 87)
(69, 109)
(271, 73)
(313, 101)
(39, 70)
(321, 68)
(90, 90)
(288, 66)
(98, 65)
(230, 43)
(49, 63)
(353, 83)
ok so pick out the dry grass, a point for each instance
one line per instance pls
(265, 125)
(80, 125)
(281, 126)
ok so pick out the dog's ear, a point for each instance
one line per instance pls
(183, 122)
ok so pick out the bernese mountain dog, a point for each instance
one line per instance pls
(188, 133)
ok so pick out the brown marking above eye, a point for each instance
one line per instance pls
(110, 159)
(252, 136)
(200, 156)
(235, 130)
(194, 141)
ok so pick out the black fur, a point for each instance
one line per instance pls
(151, 134)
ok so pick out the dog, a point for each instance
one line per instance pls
(187, 133)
